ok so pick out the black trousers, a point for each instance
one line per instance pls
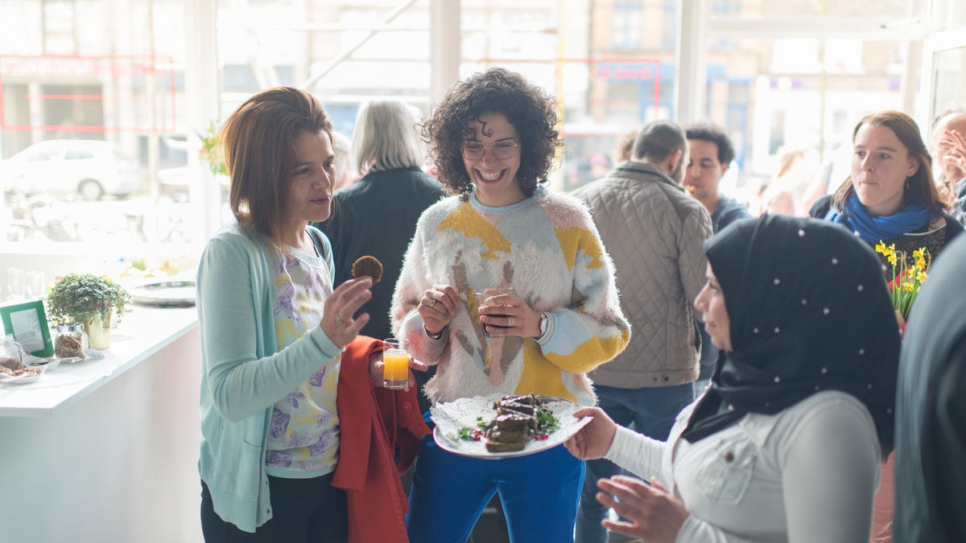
(303, 511)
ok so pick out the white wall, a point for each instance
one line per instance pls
(118, 466)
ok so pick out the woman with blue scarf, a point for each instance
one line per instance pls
(889, 196)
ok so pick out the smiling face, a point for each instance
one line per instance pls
(495, 179)
(714, 313)
(704, 171)
(880, 166)
(309, 195)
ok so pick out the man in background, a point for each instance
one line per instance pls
(950, 161)
(654, 232)
(711, 152)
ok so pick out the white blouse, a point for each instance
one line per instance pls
(806, 474)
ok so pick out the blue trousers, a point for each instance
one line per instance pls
(539, 493)
(649, 411)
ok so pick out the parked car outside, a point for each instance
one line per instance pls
(176, 182)
(87, 168)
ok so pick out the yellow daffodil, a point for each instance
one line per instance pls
(880, 247)
(922, 276)
(892, 258)
(907, 287)
(917, 254)
(912, 272)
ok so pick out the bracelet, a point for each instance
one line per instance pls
(435, 337)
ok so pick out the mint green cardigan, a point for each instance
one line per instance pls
(243, 374)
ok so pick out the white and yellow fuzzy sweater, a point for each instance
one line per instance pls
(547, 249)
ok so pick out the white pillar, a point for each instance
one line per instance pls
(690, 79)
(909, 84)
(203, 96)
(444, 48)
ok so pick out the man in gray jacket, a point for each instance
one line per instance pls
(654, 232)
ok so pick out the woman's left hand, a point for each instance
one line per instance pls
(509, 315)
(338, 322)
(654, 514)
(376, 375)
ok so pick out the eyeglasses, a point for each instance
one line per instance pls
(501, 151)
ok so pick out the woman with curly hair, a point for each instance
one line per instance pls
(551, 316)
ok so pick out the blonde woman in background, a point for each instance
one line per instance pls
(780, 196)
(377, 214)
(345, 175)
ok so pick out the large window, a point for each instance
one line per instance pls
(611, 65)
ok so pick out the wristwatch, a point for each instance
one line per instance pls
(435, 337)
(544, 319)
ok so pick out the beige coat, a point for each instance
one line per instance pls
(654, 233)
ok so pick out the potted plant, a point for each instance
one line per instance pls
(89, 299)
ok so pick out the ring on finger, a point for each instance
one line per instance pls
(509, 322)
(340, 320)
(432, 302)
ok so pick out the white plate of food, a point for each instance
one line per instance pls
(48, 363)
(22, 376)
(465, 426)
(165, 294)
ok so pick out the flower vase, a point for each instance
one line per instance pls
(99, 332)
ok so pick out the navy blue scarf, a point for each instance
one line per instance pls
(871, 229)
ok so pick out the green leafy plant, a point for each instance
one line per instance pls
(81, 297)
(211, 151)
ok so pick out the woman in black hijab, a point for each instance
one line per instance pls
(785, 445)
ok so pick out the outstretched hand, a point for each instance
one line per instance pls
(653, 514)
(595, 438)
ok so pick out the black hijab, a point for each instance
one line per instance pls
(809, 311)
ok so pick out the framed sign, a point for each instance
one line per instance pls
(27, 321)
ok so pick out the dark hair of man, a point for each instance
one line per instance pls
(259, 144)
(531, 112)
(658, 140)
(716, 135)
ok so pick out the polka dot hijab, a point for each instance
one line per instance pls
(809, 311)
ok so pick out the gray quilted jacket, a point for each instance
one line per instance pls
(654, 231)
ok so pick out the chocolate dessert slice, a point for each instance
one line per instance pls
(510, 432)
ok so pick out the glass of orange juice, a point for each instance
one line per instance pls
(395, 369)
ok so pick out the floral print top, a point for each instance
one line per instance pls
(303, 436)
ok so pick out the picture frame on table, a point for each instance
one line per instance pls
(27, 321)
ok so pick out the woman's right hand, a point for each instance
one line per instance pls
(438, 307)
(595, 438)
(340, 306)
(955, 145)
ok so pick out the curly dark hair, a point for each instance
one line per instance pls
(716, 135)
(531, 111)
